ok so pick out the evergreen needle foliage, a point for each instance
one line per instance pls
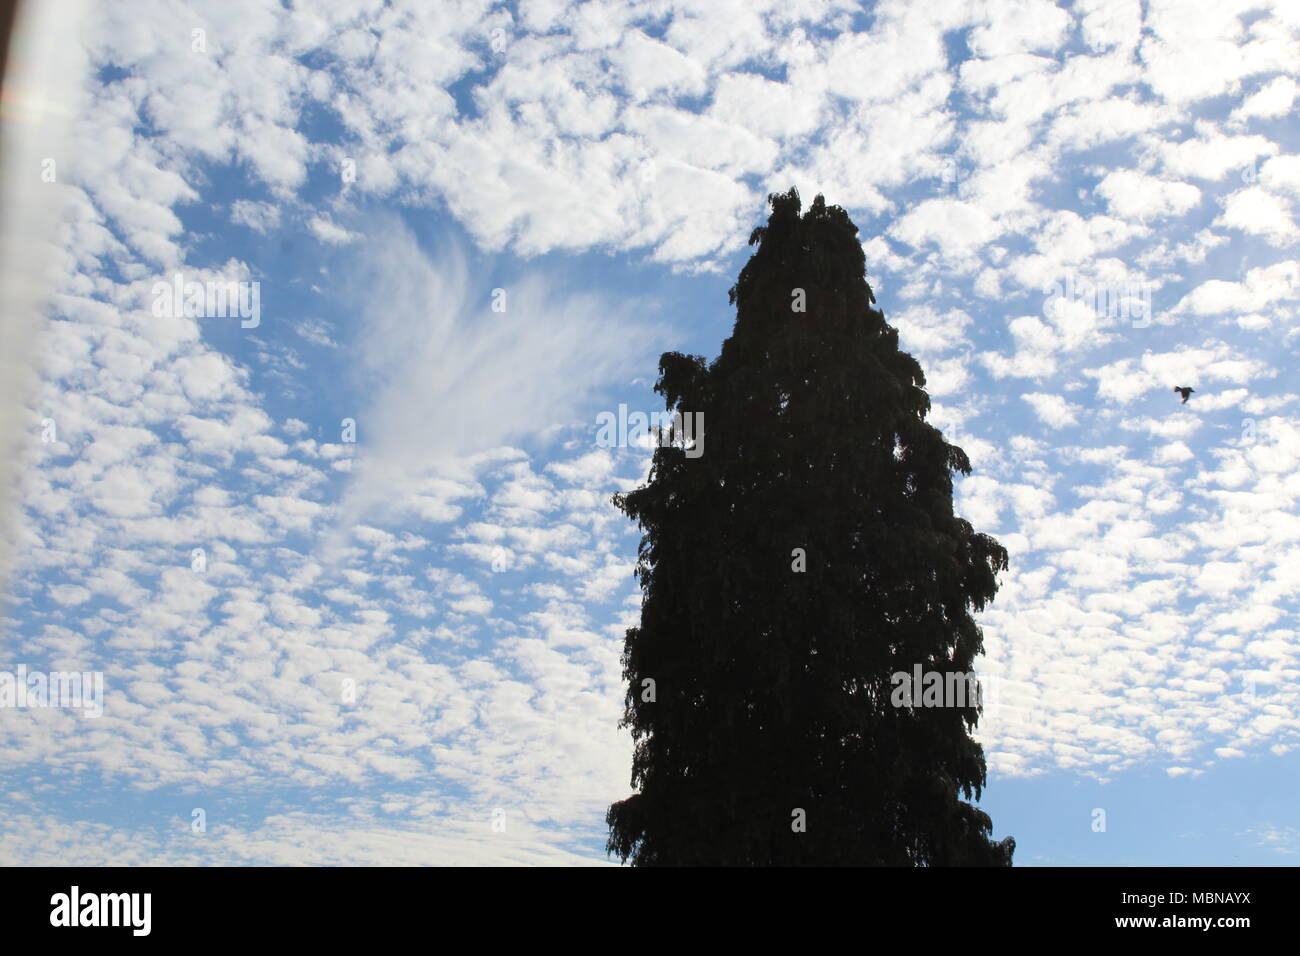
(771, 688)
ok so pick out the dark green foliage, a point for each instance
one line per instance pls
(772, 687)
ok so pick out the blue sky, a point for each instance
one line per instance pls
(389, 639)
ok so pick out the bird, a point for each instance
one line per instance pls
(1184, 391)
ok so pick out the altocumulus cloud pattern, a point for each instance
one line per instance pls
(350, 571)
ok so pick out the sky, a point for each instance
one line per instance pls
(347, 560)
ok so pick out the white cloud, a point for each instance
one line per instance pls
(261, 217)
(1260, 289)
(1259, 212)
(1052, 410)
(328, 232)
(437, 352)
(1131, 194)
(1272, 99)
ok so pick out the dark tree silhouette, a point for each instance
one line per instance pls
(759, 693)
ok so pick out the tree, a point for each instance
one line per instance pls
(788, 572)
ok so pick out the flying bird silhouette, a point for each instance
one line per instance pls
(1184, 391)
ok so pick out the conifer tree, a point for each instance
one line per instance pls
(788, 572)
